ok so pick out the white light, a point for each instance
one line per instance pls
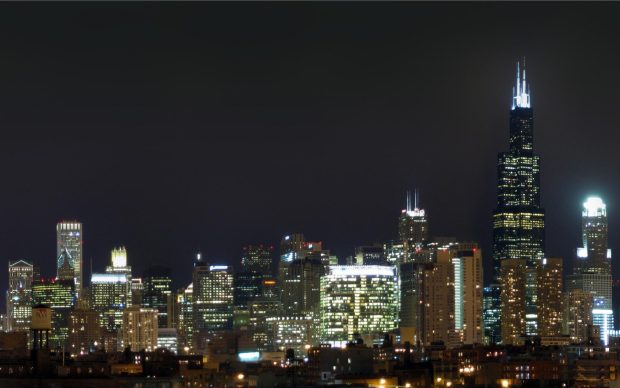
(108, 278)
(361, 270)
(582, 253)
(218, 268)
(593, 207)
(249, 356)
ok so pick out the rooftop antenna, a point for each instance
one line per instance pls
(415, 198)
(408, 201)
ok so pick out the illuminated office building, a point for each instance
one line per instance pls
(257, 259)
(438, 302)
(412, 226)
(185, 317)
(550, 296)
(118, 261)
(370, 255)
(69, 240)
(592, 269)
(359, 299)
(84, 329)
(513, 282)
(59, 295)
(109, 297)
(292, 332)
(491, 308)
(578, 315)
(168, 338)
(137, 288)
(19, 296)
(157, 290)
(394, 252)
(139, 329)
(519, 220)
(468, 282)
(301, 266)
(212, 301)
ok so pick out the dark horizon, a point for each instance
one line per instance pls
(171, 128)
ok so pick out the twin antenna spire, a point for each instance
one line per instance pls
(521, 91)
(415, 199)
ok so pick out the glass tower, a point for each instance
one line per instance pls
(519, 220)
(69, 241)
(592, 269)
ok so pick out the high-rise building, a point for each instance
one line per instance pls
(519, 220)
(157, 289)
(412, 226)
(185, 317)
(550, 296)
(360, 299)
(139, 329)
(577, 315)
(212, 301)
(69, 240)
(137, 288)
(109, 297)
(468, 282)
(439, 300)
(370, 255)
(257, 259)
(19, 296)
(412, 301)
(592, 269)
(84, 329)
(513, 283)
(59, 295)
(301, 266)
(492, 311)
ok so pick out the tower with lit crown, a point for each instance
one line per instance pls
(592, 269)
(519, 220)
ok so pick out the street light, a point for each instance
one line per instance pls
(240, 376)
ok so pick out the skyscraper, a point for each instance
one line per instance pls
(550, 296)
(257, 259)
(212, 301)
(19, 296)
(513, 282)
(360, 299)
(69, 240)
(592, 269)
(157, 290)
(468, 294)
(139, 329)
(59, 295)
(519, 220)
(412, 226)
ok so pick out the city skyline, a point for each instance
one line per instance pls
(202, 167)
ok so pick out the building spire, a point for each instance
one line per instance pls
(408, 201)
(521, 91)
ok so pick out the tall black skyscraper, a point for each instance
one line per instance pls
(519, 221)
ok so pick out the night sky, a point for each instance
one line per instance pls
(176, 127)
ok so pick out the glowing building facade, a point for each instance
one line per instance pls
(513, 282)
(19, 296)
(59, 295)
(358, 299)
(550, 284)
(109, 297)
(592, 269)
(468, 282)
(212, 301)
(139, 329)
(519, 220)
(69, 240)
